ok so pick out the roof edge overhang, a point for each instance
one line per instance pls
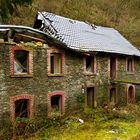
(52, 40)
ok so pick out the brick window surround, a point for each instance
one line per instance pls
(93, 65)
(130, 89)
(54, 50)
(130, 67)
(29, 61)
(21, 97)
(56, 93)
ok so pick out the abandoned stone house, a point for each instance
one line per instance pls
(60, 63)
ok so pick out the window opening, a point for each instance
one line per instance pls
(112, 67)
(20, 61)
(130, 94)
(56, 63)
(129, 65)
(113, 96)
(90, 97)
(56, 104)
(89, 64)
(21, 108)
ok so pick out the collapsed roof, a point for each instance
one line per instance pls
(83, 36)
(25, 34)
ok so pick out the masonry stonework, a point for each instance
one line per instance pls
(39, 86)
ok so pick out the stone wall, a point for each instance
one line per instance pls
(71, 83)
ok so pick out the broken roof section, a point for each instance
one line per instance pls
(25, 34)
(83, 36)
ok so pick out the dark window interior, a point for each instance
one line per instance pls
(37, 23)
(112, 67)
(130, 94)
(52, 64)
(56, 103)
(21, 108)
(21, 61)
(129, 65)
(90, 97)
(89, 64)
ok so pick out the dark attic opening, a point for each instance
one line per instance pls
(37, 23)
(56, 103)
(21, 61)
(21, 108)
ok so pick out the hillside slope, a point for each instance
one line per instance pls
(123, 15)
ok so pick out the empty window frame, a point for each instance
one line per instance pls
(22, 108)
(56, 104)
(21, 62)
(56, 63)
(90, 64)
(129, 65)
(90, 99)
(113, 66)
(113, 96)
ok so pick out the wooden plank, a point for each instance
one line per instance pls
(31, 37)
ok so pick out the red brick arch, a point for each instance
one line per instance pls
(19, 97)
(50, 94)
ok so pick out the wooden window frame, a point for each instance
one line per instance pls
(56, 51)
(30, 61)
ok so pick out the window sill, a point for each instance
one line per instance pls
(89, 73)
(22, 75)
(56, 75)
